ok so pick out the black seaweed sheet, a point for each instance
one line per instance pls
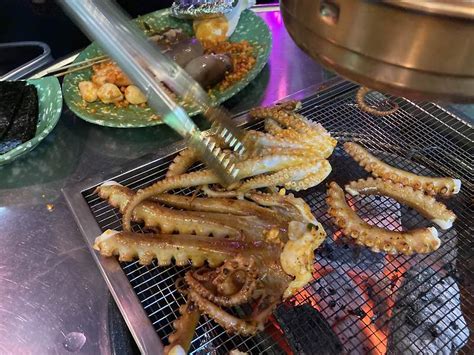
(18, 114)
(10, 97)
(23, 126)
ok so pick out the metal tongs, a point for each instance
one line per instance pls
(104, 22)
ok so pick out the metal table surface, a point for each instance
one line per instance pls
(52, 297)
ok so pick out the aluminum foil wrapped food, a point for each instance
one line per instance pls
(199, 9)
(213, 21)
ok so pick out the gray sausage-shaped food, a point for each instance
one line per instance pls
(185, 51)
(209, 69)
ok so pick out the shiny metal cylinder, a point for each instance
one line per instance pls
(416, 49)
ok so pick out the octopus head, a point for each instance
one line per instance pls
(298, 253)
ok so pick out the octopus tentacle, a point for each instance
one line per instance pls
(222, 205)
(182, 162)
(297, 130)
(293, 208)
(363, 106)
(247, 168)
(295, 178)
(180, 247)
(272, 127)
(175, 182)
(265, 140)
(283, 117)
(432, 185)
(312, 179)
(423, 240)
(416, 199)
(185, 326)
(226, 320)
(208, 191)
(168, 221)
(222, 276)
(310, 132)
(289, 105)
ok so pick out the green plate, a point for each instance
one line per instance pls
(50, 103)
(250, 27)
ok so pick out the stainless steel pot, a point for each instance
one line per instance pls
(417, 49)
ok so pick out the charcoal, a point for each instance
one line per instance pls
(307, 331)
(10, 97)
(344, 168)
(349, 298)
(427, 318)
(23, 126)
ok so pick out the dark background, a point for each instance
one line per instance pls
(43, 20)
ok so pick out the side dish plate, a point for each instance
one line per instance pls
(250, 28)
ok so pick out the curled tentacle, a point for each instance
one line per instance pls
(184, 327)
(228, 291)
(204, 274)
(431, 185)
(423, 240)
(228, 321)
(363, 106)
(430, 208)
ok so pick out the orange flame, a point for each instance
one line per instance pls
(377, 337)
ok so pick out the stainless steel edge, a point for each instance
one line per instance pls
(117, 282)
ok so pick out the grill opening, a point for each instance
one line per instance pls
(359, 301)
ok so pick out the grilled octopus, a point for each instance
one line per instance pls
(256, 250)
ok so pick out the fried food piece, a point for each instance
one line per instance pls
(88, 90)
(109, 72)
(212, 30)
(134, 95)
(109, 93)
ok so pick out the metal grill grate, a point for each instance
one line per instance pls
(422, 138)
